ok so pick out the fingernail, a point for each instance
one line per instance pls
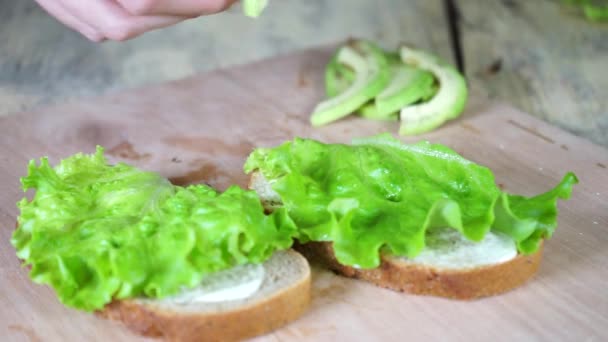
(93, 36)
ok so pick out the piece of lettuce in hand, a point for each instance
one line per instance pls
(96, 232)
(253, 8)
(379, 195)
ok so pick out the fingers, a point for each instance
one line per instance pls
(114, 22)
(56, 9)
(124, 19)
(188, 8)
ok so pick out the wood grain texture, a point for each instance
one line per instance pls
(43, 62)
(202, 128)
(541, 58)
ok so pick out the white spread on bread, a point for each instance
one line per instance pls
(236, 283)
(449, 249)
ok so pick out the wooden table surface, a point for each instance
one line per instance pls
(536, 55)
(188, 132)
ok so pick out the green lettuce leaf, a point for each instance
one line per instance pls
(96, 232)
(381, 195)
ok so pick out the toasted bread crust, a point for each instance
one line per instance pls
(466, 284)
(256, 319)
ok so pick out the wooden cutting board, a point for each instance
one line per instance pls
(201, 129)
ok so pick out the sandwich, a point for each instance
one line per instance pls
(183, 263)
(417, 218)
(190, 263)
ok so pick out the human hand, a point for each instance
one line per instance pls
(100, 20)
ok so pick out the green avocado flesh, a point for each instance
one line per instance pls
(370, 111)
(338, 77)
(371, 75)
(407, 85)
(96, 232)
(381, 195)
(448, 103)
(253, 8)
(422, 91)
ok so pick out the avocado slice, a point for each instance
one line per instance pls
(338, 77)
(447, 104)
(407, 85)
(434, 89)
(371, 76)
(370, 111)
(253, 8)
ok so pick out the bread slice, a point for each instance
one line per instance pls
(397, 274)
(283, 296)
(489, 274)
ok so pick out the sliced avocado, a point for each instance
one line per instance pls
(253, 8)
(408, 85)
(371, 76)
(447, 104)
(338, 77)
(387, 108)
(370, 111)
(432, 92)
(392, 57)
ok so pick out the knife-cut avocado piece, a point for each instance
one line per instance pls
(370, 111)
(447, 104)
(371, 76)
(338, 77)
(408, 85)
(253, 8)
(434, 89)
(392, 57)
